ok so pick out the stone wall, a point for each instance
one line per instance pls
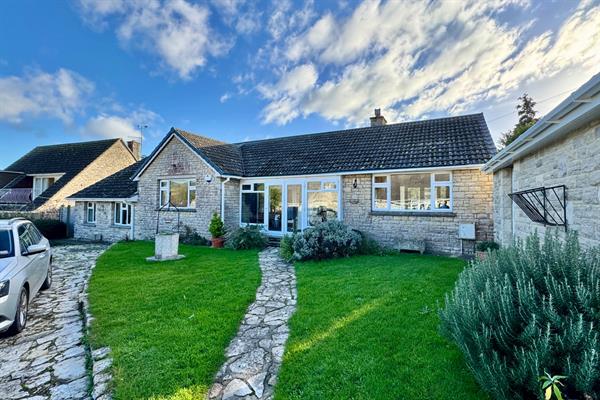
(103, 229)
(472, 196)
(176, 161)
(114, 159)
(572, 161)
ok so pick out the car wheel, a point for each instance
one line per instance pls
(21, 315)
(48, 281)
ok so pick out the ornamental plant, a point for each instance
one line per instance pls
(526, 310)
(328, 239)
(216, 227)
(248, 237)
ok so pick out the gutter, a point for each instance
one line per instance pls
(223, 198)
(581, 107)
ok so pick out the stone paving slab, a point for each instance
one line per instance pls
(47, 360)
(255, 354)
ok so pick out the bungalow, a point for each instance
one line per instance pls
(549, 177)
(415, 180)
(42, 179)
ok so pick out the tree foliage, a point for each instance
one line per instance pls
(526, 310)
(527, 118)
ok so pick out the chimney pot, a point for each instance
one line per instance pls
(378, 119)
(135, 148)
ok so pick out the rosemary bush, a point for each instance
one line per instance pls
(526, 310)
(328, 239)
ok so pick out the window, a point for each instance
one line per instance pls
(413, 192)
(322, 200)
(253, 203)
(28, 235)
(90, 212)
(122, 214)
(6, 244)
(180, 193)
(40, 184)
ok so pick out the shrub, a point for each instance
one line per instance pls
(327, 240)
(52, 229)
(286, 247)
(248, 237)
(528, 310)
(216, 227)
(191, 236)
(487, 245)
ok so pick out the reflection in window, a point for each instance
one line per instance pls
(294, 207)
(322, 206)
(411, 192)
(253, 204)
(180, 192)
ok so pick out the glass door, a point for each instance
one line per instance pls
(293, 208)
(275, 208)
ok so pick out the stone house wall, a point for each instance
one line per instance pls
(114, 159)
(572, 161)
(176, 160)
(103, 229)
(472, 203)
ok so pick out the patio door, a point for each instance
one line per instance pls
(275, 208)
(293, 209)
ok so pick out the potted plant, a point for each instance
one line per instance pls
(484, 247)
(217, 231)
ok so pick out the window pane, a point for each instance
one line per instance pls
(294, 207)
(329, 185)
(322, 206)
(247, 187)
(380, 197)
(6, 243)
(442, 197)
(163, 197)
(164, 184)
(253, 208)
(380, 179)
(275, 208)
(314, 185)
(179, 193)
(259, 187)
(411, 192)
(193, 197)
(117, 213)
(442, 177)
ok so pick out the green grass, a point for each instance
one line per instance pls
(367, 328)
(168, 324)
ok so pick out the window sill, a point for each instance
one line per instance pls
(91, 224)
(414, 213)
(121, 226)
(182, 210)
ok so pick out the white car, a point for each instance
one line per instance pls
(25, 268)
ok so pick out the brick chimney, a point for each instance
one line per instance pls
(378, 119)
(135, 148)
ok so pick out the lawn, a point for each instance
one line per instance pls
(367, 328)
(168, 324)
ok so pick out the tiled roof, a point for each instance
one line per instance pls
(116, 186)
(67, 159)
(442, 142)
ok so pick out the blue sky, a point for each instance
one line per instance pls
(245, 70)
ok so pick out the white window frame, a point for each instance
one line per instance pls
(38, 187)
(433, 185)
(252, 190)
(89, 205)
(191, 187)
(118, 212)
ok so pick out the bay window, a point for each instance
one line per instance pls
(322, 198)
(180, 193)
(253, 203)
(122, 214)
(412, 192)
(90, 212)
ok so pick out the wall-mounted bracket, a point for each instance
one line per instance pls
(545, 205)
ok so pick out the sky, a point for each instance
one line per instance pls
(240, 70)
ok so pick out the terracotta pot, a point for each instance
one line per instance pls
(217, 243)
(481, 255)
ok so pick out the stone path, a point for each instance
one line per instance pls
(254, 355)
(47, 360)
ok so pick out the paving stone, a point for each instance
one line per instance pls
(46, 357)
(254, 355)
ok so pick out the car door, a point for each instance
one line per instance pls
(33, 268)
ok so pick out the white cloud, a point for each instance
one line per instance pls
(451, 57)
(224, 97)
(60, 95)
(116, 126)
(177, 31)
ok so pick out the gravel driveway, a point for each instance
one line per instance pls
(47, 360)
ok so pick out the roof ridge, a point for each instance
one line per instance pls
(184, 132)
(73, 143)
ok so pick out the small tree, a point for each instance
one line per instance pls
(216, 227)
(527, 118)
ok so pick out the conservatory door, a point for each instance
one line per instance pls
(293, 210)
(275, 208)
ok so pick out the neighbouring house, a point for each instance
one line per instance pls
(416, 180)
(41, 181)
(549, 177)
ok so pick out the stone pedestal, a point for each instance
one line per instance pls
(166, 247)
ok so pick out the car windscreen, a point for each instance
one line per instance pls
(7, 248)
